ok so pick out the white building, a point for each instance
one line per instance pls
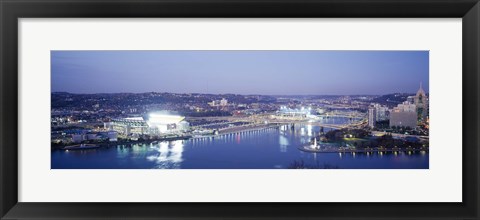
(404, 115)
(223, 102)
(381, 112)
(95, 136)
(411, 99)
(214, 103)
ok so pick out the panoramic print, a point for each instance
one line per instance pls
(240, 109)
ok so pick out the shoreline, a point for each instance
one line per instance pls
(187, 137)
(370, 150)
(108, 144)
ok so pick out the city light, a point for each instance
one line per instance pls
(224, 121)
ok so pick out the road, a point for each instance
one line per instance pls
(381, 133)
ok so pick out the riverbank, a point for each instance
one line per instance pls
(363, 150)
(226, 131)
(129, 142)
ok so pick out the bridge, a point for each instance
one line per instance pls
(259, 120)
(354, 114)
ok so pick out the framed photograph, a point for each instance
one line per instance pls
(226, 109)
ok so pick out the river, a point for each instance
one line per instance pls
(272, 148)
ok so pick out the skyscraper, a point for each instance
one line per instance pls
(421, 104)
(381, 112)
(372, 116)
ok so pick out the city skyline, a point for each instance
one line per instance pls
(270, 73)
(240, 110)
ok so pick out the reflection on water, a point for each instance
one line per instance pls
(273, 148)
(169, 154)
(283, 141)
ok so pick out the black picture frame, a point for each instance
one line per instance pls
(12, 10)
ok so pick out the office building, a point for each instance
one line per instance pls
(381, 112)
(421, 103)
(404, 115)
(372, 116)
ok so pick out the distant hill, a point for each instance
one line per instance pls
(392, 100)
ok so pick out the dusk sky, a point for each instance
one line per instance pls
(241, 72)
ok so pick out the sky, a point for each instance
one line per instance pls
(241, 72)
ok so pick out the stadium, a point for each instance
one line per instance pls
(152, 124)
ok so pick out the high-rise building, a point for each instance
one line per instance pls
(404, 115)
(381, 112)
(421, 104)
(372, 116)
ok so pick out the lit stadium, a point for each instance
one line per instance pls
(153, 124)
(165, 123)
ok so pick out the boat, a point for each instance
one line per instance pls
(81, 147)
